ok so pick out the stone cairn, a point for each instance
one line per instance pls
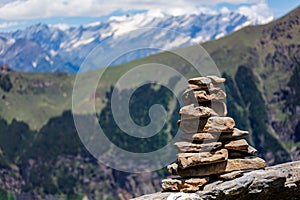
(212, 149)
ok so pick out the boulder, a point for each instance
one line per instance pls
(276, 182)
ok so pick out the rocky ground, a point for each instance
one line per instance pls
(277, 182)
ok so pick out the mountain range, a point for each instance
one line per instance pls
(60, 48)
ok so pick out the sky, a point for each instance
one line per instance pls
(18, 14)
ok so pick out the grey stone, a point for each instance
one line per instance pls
(277, 182)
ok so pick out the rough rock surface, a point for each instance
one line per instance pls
(218, 168)
(212, 124)
(193, 147)
(195, 159)
(280, 182)
(196, 112)
(241, 144)
(191, 96)
(200, 137)
(184, 185)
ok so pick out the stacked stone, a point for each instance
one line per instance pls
(212, 149)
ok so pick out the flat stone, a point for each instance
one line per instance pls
(171, 184)
(241, 144)
(216, 79)
(204, 170)
(186, 160)
(245, 164)
(230, 175)
(199, 87)
(251, 151)
(219, 168)
(191, 96)
(183, 185)
(188, 147)
(196, 112)
(214, 94)
(193, 184)
(219, 124)
(199, 81)
(212, 124)
(200, 137)
(233, 135)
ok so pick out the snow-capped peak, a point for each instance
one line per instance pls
(60, 47)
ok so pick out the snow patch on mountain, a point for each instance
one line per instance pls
(60, 47)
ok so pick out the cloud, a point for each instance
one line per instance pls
(33, 9)
(5, 25)
(259, 11)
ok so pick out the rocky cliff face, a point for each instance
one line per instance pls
(277, 182)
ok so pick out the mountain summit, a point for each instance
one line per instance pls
(56, 48)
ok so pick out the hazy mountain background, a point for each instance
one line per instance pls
(60, 48)
(42, 156)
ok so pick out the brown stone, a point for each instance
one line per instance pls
(233, 135)
(196, 112)
(216, 94)
(200, 81)
(251, 151)
(191, 96)
(200, 137)
(204, 170)
(212, 124)
(173, 168)
(241, 144)
(231, 175)
(218, 168)
(194, 147)
(219, 124)
(199, 87)
(183, 185)
(193, 184)
(186, 160)
(216, 80)
(171, 184)
(245, 164)
(213, 94)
